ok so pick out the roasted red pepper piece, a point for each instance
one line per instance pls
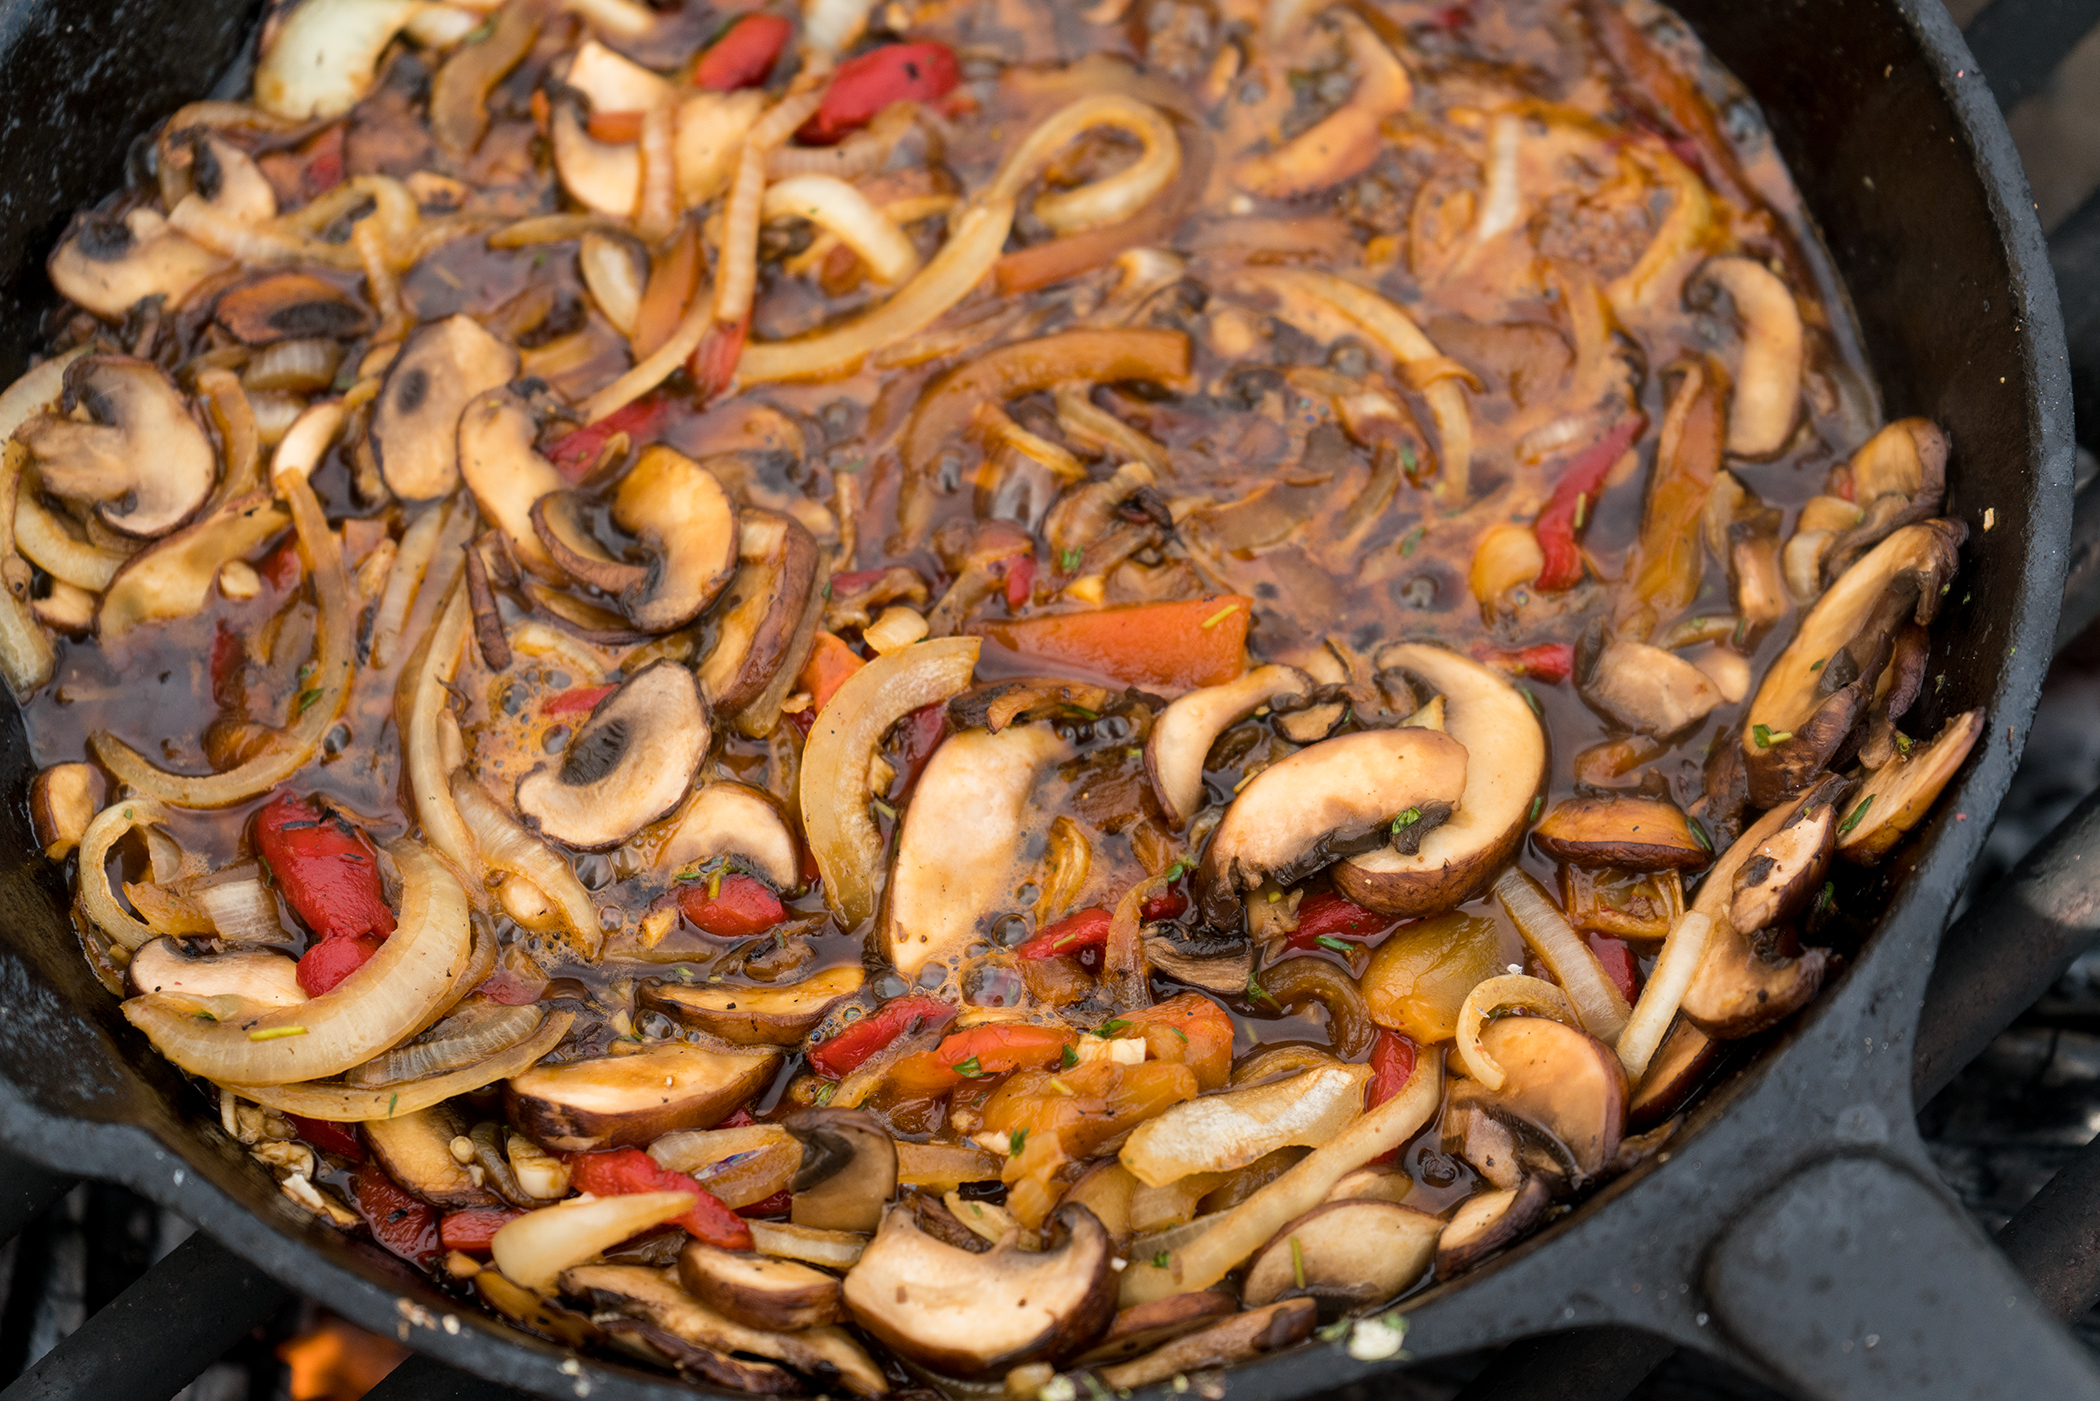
(979, 1052)
(228, 661)
(282, 566)
(863, 86)
(339, 1139)
(1549, 662)
(578, 698)
(1575, 492)
(332, 960)
(1171, 903)
(1083, 929)
(736, 907)
(510, 990)
(774, 1206)
(713, 362)
(1326, 915)
(1392, 1061)
(1618, 964)
(744, 55)
(327, 869)
(918, 735)
(845, 1052)
(400, 1222)
(625, 1171)
(1020, 581)
(574, 454)
(470, 1231)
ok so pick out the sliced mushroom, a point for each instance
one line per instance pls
(1894, 695)
(1815, 694)
(110, 265)
(754, 1016)
(1899, 794)
(855, 599)
(283, 306)
(721, 820)
(1346, 141)
(1738, 990)
(1221, 966)
(970, 1315)
(1182, 736)
(599, 175)
(1676, 1069)
(686, 524)
(144, 459)
(1766, 402)
(416, 1151)
(224, 177)
(1485, 1224)
(1489, 1144)
(1646, 689)
(1340, 797)
(1244, 1335)
(1898, 477)
(174, 578)
(322, 55)
(1780, 876)
(768, 620)
(836, 1250)
(259, 976)
(758, 1292)
(848, 1173)
(626, 766)
(1634, 834)
(949, 876)
(608, 1101)
(536, 1313)
(825, 1353)
(506, 473)
(1349, 1254)
(63, 799)
(1743, 534)
(659, 1347)
(413, 441)
(1561, 1084)
(1376, 1184)
(1143, 1327)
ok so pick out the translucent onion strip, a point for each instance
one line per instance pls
(411, 563)
(96, 898)
(1665, 989)
(615, 284)
(462, 1039)
(1108, 200)
(832, 204)
(316, 708)
(506, 846)
(45, 542)
(1491, 995)
(307, 441)
(1594, 996)
(658, 365)
(346, 1104)
(422, 750)
(243, 910)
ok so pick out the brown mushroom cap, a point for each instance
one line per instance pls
(144, 459)
(626, 766)
(1505, 764)
(506, 473)
(1648, 690)
(1143, 1327)
(286, 306)
(1485, 1224)
(1561, 1082)
(767, 621)
(608, 1101)
(1898, 477)
(1347, 1254)
(416, 1151)
(1634, 834)
(1235, 1339)
(1897, 796)
(754, 1016)
(724, 819)
(109, 265)
(848, 1173)
(1818, 689)
(686, 522)
(1182, 736)
(1675, 1070)
(174, 578)
(63, 799)
(1777, 879)
(758, 1292)
(414, 436)
(971, 1315)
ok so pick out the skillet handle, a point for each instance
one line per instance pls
(1855, 1279)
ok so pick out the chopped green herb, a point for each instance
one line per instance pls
(1132, 753)
(1766, 737)
(827, 590)
(1742, 627)
(1826, 898)
(1904, 743)
(480, 31)
(1531, 700)
(1410, 542)
(1017, 1142)
(1182, 1034)
(1161, 1260)
(1582, 512)
(1256, 992)
(1297, 1263)
(276, 1033)
(825, 1090)
(392, 1100)
(306, 699)
(1111, 1027)
(1220, 616)
(1067, 1058)
(1328, 941)
(885, 809)
(1408, 460)
(1406, 819)
(685, 974)
(970, 1069)
(1817, 664)
(1174, 872)
(714, 884)
(690, 873)
(1068, 560)
(1857, 813)
(1706, 843)
(1538, 803)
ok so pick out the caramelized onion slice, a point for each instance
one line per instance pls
(1113, 197)
(539, 1245)
(1512, 991)
(1596, 1000)
(506, 846)
(830, 203)
(848, 731)
(386, 999)
(1665, 989)
(96, 898)
(346, 1104)
(465, 1038)
(289, 749)
(422, 754)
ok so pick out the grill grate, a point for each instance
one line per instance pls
(99, 1300)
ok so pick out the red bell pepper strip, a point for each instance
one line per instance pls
(831, 663)
(918, 735)
(1020, 581)
(281, 566)
(844, 1053)
(1084, 929)
(979, 1052)
(625, 1171)
(1573, 495)
(577, 698)
(402, 1223)
(731, 906)
(1618, 964)
(1392, 1062)
(574, 454)
(327, 869)
(339, 1139)
(332, 960)
(744, 55)
(713, 362)
(470, 1231)
(1170, 903)
(1326, 915)
(1550, 662)
(863, 86)
(769, 1208)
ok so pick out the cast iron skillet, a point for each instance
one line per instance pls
(1795, 1227)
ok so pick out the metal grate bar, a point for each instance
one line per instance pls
(2055, 1239)
(420, 1379)
(1587, 1364)
(158, 1334)
(26, 1191)
(2018, 43)
(2074, 254)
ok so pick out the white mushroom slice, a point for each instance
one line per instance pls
(1784, 870)
(609, 1101)
(1484, 1224)
(263, 978)
(144, 459)
(952, 873)
(1341, 797)
(597, 174)
(321, 56)
(1244, 1335)
(414, 438)
(1648, 690)
(1348, 1254)
(1903, 790)
(683, 518)
(63, 799)
(971, 1315)
(626, 766)
(1186, 729)
(758, 1292)
(613, 82)
(1563, 1083)
(506, 473)
(764, 637)
(228, 179)
(109, 265)
(780, 1015)
(720, 820)
(175, 577)
(1505, 764)
(1766, 401)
